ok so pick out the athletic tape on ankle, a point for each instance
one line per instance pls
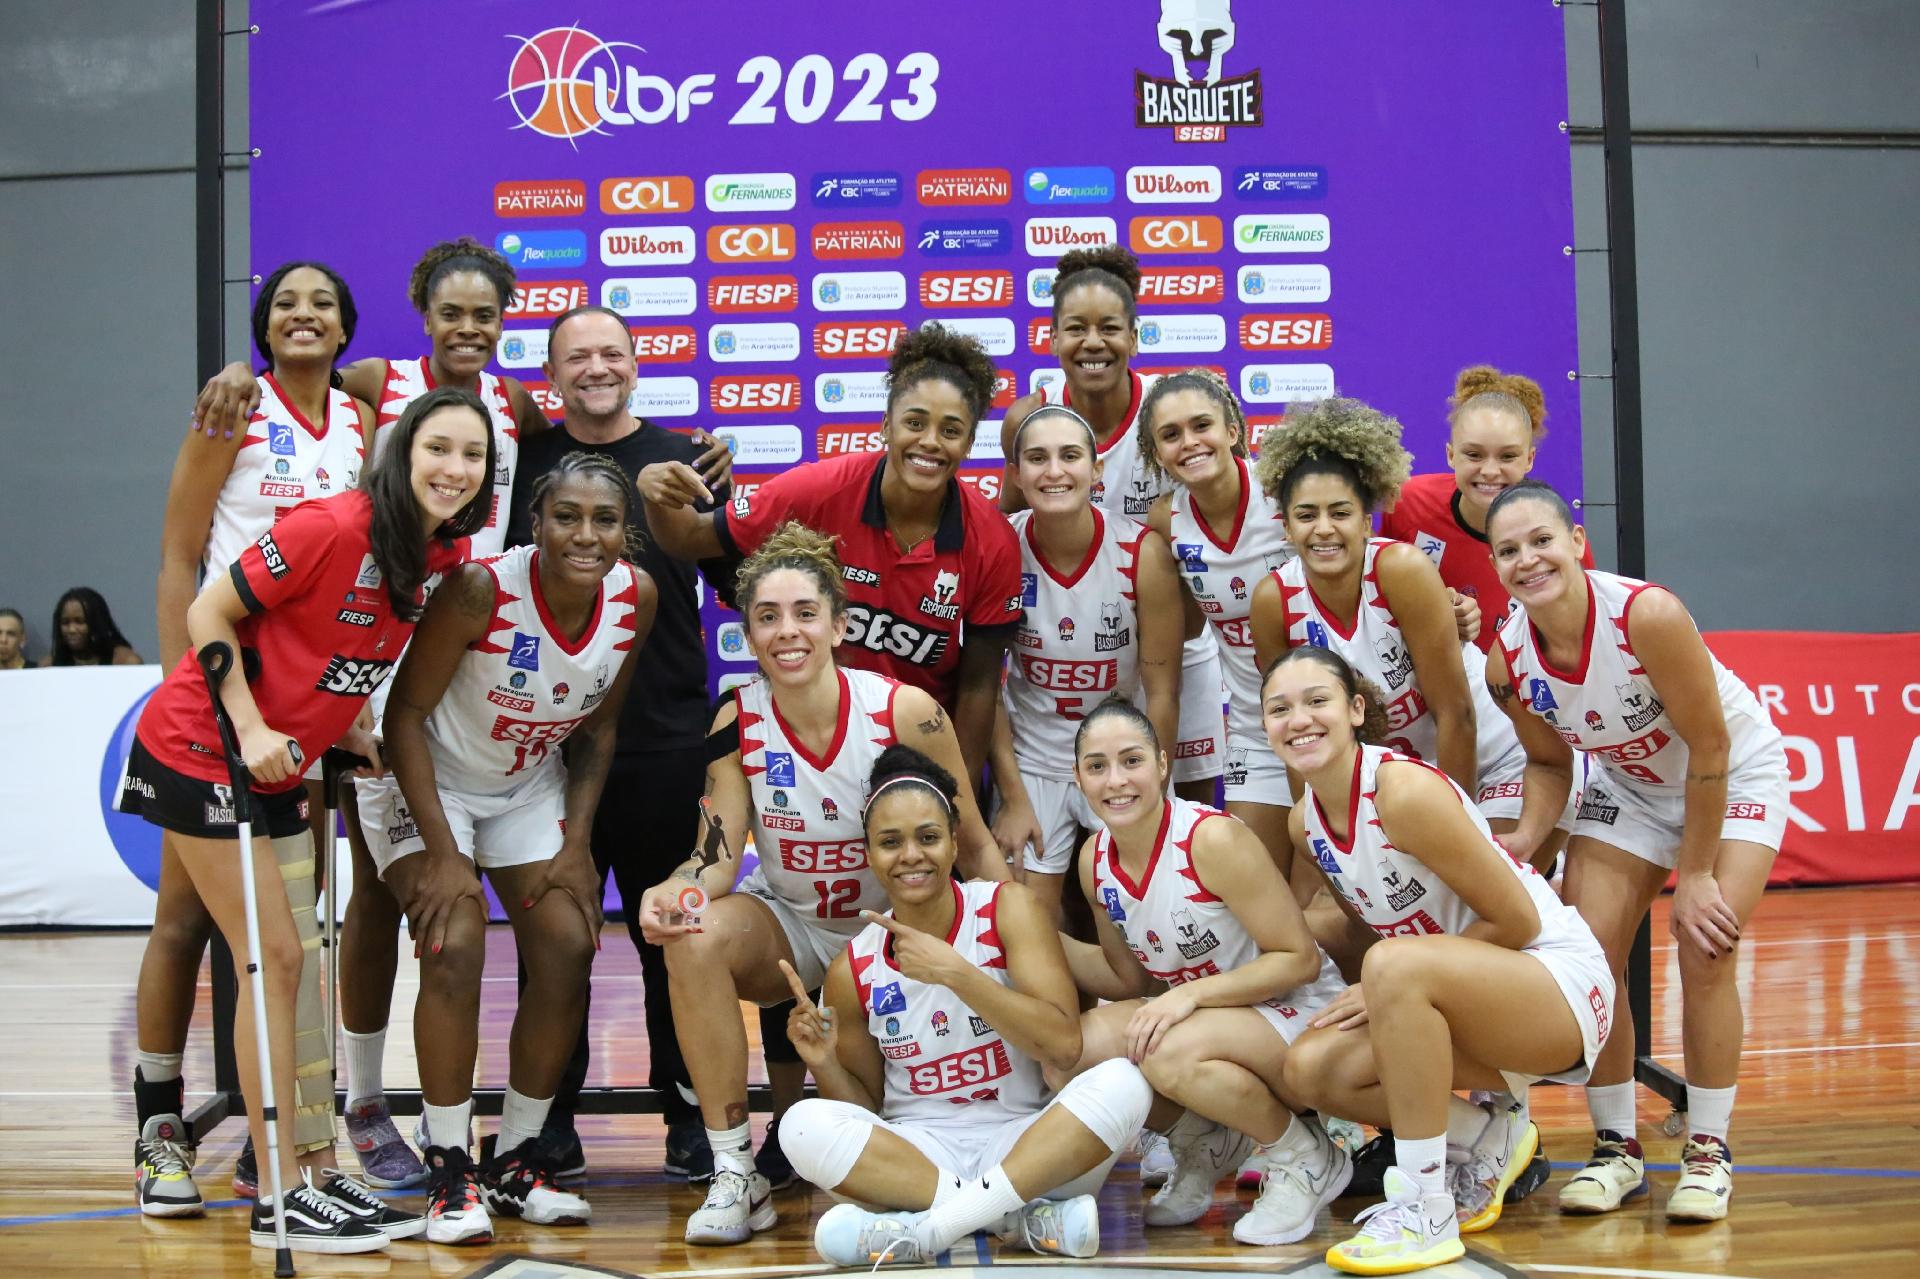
(313, 1064)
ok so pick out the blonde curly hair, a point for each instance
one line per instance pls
(1335, 436)
(793, 545)
(1484, 387)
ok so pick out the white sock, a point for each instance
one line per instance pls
(945, 1186)
(1710, 1110)
(732, 1149)
(365, 1056)
(1296, 1140)
(447, 1125)
(1465, 1122)
(158, 1068)
(521, 1119)
(1189, 1126)
(1424, 1162)
(981, 1202)
(1612, 1108)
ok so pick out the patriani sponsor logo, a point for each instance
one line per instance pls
(1173, 184)
(651, 294)
(964, 186)
(844, 240)
(1281, 232)
(556, 199)
(1198, 101)
(751, 192)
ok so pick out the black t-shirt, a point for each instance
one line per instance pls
(667, 705)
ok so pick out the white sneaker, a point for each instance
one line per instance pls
(1706, 1181)
(1408, 1231)
(1616, 1174)
(1199, 1162)
(1059, 1227)
(849, 1235)
(737, 1205)
(1480, 1178)
(1156, 1158)
(1305, 1173)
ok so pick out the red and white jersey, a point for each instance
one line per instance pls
(1606, 705)
(1221, 568)
(945, 1065)
(1393, 891)
(283, 460)
(1125, 487)
(522, 689)
(1175, 927)
(807, 807)
(407, 381)
(1078, 641)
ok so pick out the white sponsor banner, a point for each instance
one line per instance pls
(1165, 334)
(651, 295)
(1050, 237)
(850, 393)
(1173, 184)
(1282, 232)
(522, 348)
(760, 445)
(665, 397)
(646, 245)
(750, 192)
(1285, 383)
(995, 335)
(1040, 286)
(859, 291)
(1305, 282)
(744, 343)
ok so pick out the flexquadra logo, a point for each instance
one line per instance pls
(565, 82)
(1198, 101)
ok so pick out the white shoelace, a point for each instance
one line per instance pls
(725, 1179)
(1386, 1220)
(169, 1157)
(313, 1201)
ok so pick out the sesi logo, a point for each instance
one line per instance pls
(854, 339)
(1190, 234)
(646, 195)
(752, 242)
(1264, 332)
(1192, 284)
(546, 299)
(838, 241)
(544, 397)
(1040, 336)
(730, 294)
(833, 441)
(811, 856)
(964, 186)
(754, 394)
(539, 199)
(662, 343)
(352, 676)
(966, 288)
(967, 1069)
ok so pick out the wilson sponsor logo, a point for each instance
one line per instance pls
(752, 242)
(966, 288)
(838, 241)
(745, 394)
(1194, 285)
(1173, 184)
(729, 294)
(646, 246)
(646, 195)
(546, 299)
(856, 339)
(663, 343)
(1199, 233)
(1264, 332)
(562, 198)
(964, 186)
(1050, 237)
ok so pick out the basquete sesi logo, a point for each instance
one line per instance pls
(1198, 101)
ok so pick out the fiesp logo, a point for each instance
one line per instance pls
(1040, 335)
(752, 242)
(1188, 234)
(732, 294)
(964, 186)
(833, 441)
(539, 199)
(966, 288)
(1203, 285)
(856, 339)
(839, 241)
(646, 195)
(662, 343)
(775, 392)
(546, 299)
(1268, 332)
(1173, 184)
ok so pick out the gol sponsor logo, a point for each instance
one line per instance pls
(662, 343)
(853, 339)
(966, 288)
(646, 246)
(1187, 284)
(1040, 335)
(751, 242)
(965, 186)
(646, 195)
(778, 392)
(546, 299)
(1049, 237)
(1268, 332)
(732, 294)
(539, 199)
(1190, 234)
(1173, 184)
(833, 441)
(839, 241)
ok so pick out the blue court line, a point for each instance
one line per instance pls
(982, 1253)
(1780, 1170)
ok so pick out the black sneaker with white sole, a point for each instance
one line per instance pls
(394, 1223)
(315, 1223)
(520, 1183)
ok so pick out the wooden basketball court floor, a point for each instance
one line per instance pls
(1826, 1137)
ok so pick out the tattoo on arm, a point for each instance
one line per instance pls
(1502, 693)
(712, 849)
(1707, 779)
(932, 727)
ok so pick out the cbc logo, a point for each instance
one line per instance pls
(763, 242)
(1176, 235)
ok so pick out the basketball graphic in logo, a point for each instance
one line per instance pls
(550, 84)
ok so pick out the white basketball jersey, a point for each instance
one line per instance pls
(1221, 568)
(945, 1065)
(522, 689)
(1607, 707)
(1177, 929)
(807, 807)
(1393, 892)
(1078, 641)
(407, 381)
(1125, 487)
(283, 460)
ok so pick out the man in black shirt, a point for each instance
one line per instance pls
(648, 814)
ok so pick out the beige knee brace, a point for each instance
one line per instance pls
(313, 1063)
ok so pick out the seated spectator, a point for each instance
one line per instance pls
(84, 633)
(13, 640)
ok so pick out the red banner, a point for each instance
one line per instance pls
(1849, 708)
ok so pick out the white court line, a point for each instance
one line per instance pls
(1836, 939)
(1826, 1048)
(1611, 1270)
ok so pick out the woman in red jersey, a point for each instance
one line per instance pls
(320, 606)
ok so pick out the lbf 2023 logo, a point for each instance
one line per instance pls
(1197, 34)
(565, 82)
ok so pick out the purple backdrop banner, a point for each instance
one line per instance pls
(1361, 194)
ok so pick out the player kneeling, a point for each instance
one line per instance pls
(928, 1049)
(1187, 896)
